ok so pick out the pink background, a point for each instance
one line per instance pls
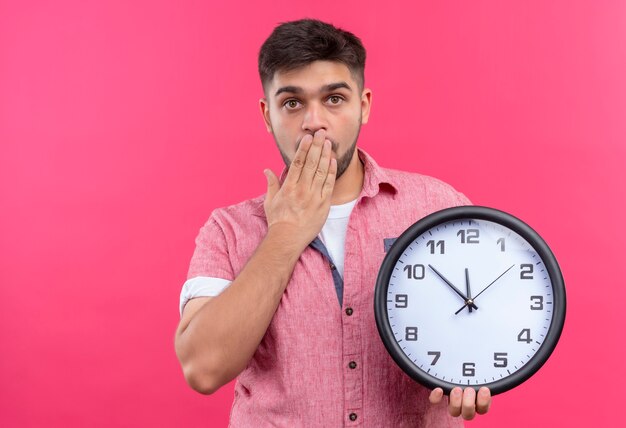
(123, 124)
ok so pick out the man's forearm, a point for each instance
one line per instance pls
(219, 340)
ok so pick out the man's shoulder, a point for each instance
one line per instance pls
(247, 216)
(426, 185)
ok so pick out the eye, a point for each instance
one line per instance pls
(335, 99)
(291, 104)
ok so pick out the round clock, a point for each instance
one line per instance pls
(470, 296)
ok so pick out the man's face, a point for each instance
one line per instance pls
(321, 95)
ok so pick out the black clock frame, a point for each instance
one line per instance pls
(479, 213)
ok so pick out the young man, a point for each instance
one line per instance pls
(280, 288)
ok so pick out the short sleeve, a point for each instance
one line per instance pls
(210, 258)
(210, 270)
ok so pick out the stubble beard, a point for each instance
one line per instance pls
(342, 163)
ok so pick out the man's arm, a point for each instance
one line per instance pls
(217, 336)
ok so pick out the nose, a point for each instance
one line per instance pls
(314, 118)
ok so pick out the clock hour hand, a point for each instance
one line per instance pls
(456, 290)
(483, 290)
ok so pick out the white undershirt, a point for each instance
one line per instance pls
(332, 235)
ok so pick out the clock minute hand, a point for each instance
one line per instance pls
(468, 289)
(456, 290)
(484, 289)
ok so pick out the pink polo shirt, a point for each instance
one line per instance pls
(321, 364)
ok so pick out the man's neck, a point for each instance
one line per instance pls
(349, 185)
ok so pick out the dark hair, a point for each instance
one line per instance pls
(298, 43)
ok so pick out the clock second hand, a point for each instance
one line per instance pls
(483, 290)
(456, 290)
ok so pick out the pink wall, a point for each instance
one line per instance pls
(123, 124)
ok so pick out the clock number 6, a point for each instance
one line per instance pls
(469, 369)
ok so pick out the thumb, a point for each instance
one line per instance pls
(272, 184)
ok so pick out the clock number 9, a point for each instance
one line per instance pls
(402, 300)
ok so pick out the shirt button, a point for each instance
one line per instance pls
(332, 267)
(349, 311)
(353, 416)
(352, 364)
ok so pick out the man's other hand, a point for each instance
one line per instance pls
(464, 403)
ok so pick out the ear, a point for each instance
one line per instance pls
(366, 103)
(265, 112)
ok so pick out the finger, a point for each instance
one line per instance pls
(322, 168)
(483, 400)
(297, 164)
(435, 396)
(273, 184)
(313, 158)
(468, 409)
(329, 184)
(456, 398)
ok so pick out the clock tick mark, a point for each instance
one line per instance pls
(508, 371)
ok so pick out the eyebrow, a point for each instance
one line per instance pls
(326, 88)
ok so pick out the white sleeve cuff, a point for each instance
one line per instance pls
(201, 286)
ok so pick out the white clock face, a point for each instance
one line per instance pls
(469, 302)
